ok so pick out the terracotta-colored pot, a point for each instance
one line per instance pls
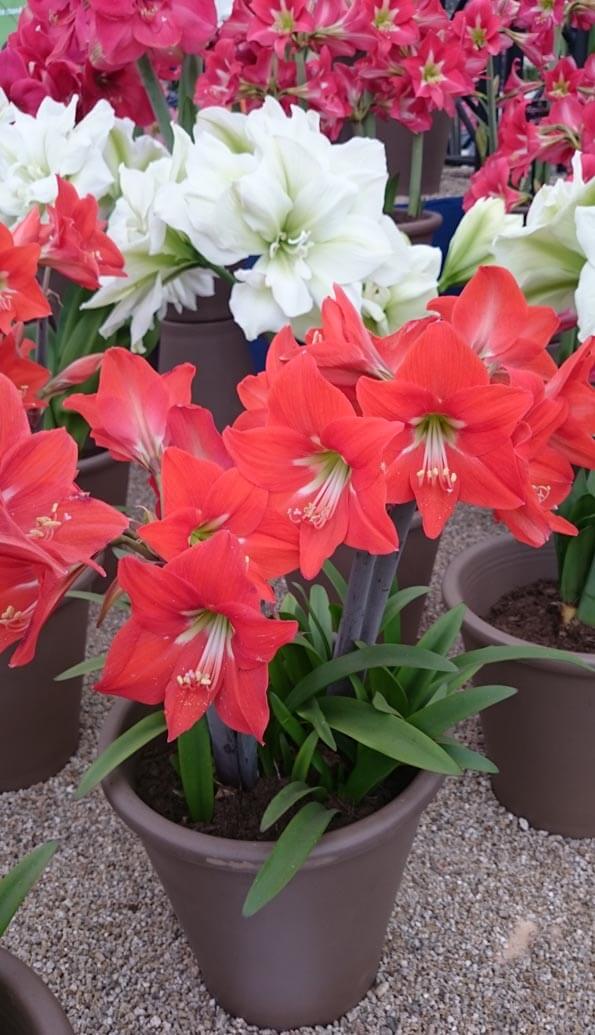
(211, 339)
(398, 142)
(27, 1007)
(106, 479)
(420, 229)
(542, 738)
(415, 569)
(312, 953)
(39, 730)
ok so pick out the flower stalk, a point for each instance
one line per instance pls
(157, 98)
(415, 177)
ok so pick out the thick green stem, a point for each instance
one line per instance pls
(492, 107)
(157, 98)
(417, 162)
(187, 110)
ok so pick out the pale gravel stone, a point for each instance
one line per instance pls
(491, 933)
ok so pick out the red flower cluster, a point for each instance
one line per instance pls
(463, 405)
(88, 48)
(544, 120)
(49, 529)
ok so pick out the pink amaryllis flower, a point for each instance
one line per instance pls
(196, 638)
(449, 419)
(493, 317)
(322, 463)
(126, 30)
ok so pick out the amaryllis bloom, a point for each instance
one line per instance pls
(437, 72)
(547, 480)
(128, 415)
(21, 298)
(573, 385)
(492, 181)
(28, 376)
(322, 464)
(480, 28)
(493, 317)
(276, 23)
(449, 418)
(196, 638)
(71, 238)
(198, 499)
(126, 30)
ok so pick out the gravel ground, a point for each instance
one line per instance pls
(490, 933)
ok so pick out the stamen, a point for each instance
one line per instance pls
(332, 474)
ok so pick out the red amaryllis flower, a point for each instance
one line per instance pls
(492, 316)
(198, 499)
(129, 413)
(72, 241)
(21, 298)
(196, 638)
(453, 418)
(573, 385)
(29, 593)
(323, 464)
(126, 30)
(28, 376)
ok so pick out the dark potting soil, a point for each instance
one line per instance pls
(238, 813)
(534, 613)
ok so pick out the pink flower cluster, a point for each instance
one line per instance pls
(542, 121)
(89, 48)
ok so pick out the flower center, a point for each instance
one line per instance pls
(432, 72)
(46, 524)
(478, 36)
(296, 247)
(219, 632)
(542, 492)
(436, 432)
(383, 19)
(206, 530)
(15, 620)
(284, 22)
(147, 11)
(331, 475)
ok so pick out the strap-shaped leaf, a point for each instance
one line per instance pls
(379, 655)
(527, 652)
(123, 747)
(82, 669)
(304, 757)
(466, 758)
(313, 713)
(16, 885)
(287, 797)
(292, 849)
(388, 734)
(336, 579)
(440, 716)
(196, 771)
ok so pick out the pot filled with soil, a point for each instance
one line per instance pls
(542, 738)
(27, 1007)
(40, 718)
(211, 339)
(295, 962)
(415, 569)
(419, 229)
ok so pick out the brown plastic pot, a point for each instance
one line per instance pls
(312, 953)
(415, 569)
(212, 340)
(419, 229)
(542, 738)
(398, 143)
(39, 731)
(27, 1007)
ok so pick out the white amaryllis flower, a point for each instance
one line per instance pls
(125, 151)
(161, 266)
(546, 256)
(401, 288)
(585, 292)
(35, 149)
(472, 244)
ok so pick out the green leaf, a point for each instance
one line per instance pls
(528, 652)
(304, 757)
(439, 638)
(313, 714)
(439, 716)
(577, 562)
(287, 797)
(370, 769)
(320, 619)
(336, 579)
(294, 730)
(292, 849)
(388, 734)
(466, 758)
(383, 681)
(17, 884)
(379, 655)
(196, 771)
(290, 608)
(399, 601)
(119, 750)
(380, 703)
(82, 594)
(586, 607)
(82, 669)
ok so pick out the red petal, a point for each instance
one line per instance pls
(302, 399)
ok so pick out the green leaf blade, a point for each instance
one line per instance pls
(119, 750)
(287, 797)
(16, 885)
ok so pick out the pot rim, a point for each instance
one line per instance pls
(427, 220)
(222, 852)
(39, 1006)
(453, 595)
